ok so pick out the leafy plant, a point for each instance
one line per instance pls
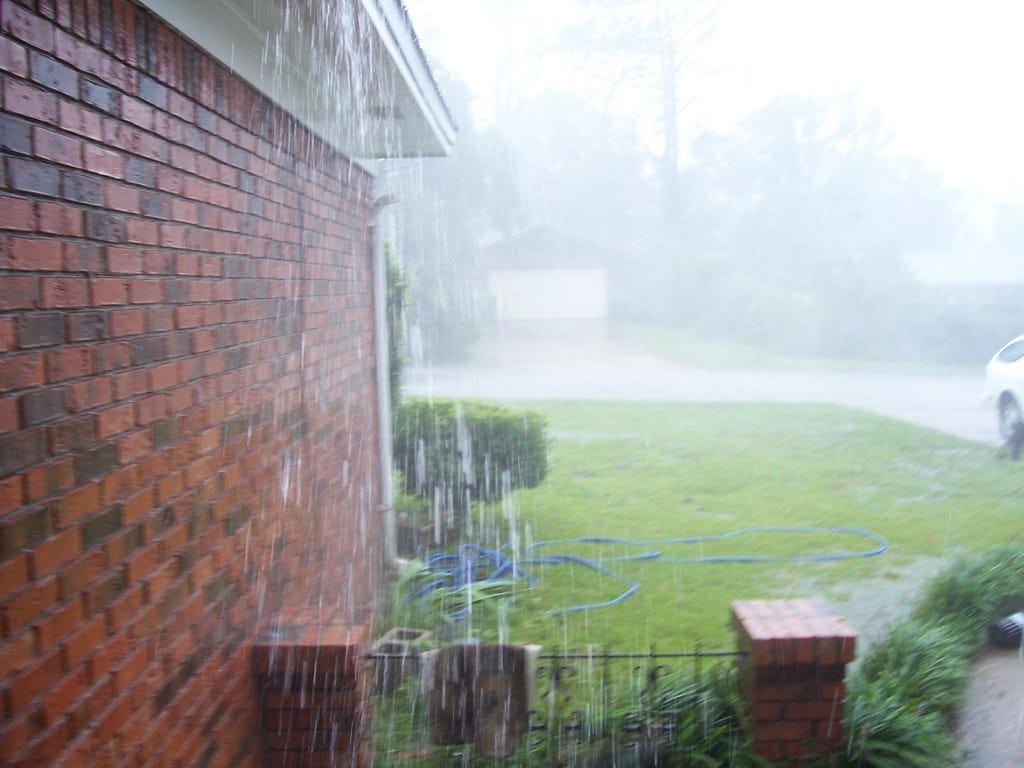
(883, 732)
(904, 697)
(976, 591)
(923, 665)
(396, 300)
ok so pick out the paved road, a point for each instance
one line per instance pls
(603, 369)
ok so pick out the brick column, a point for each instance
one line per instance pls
(792, 675)
(315, 711)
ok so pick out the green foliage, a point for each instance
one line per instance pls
(703, 715)
(922, 664)
(904, 697)
(975, 591)
(883, 732)
(395, 302)
(468, 451)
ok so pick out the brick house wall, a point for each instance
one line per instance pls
(188, 410)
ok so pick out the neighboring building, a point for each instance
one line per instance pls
(191, 390)
(542, 275)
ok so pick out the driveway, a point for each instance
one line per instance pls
(592, 368)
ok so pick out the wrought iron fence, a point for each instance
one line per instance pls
(587, 708)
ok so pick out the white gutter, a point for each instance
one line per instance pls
(379, 233)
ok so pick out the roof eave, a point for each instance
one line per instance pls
(369, 98)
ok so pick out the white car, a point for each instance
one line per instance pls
(1004, 388)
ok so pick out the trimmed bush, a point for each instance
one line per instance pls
(455, 453)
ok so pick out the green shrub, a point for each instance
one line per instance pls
(976, 591)
(922, 665)
(458, 453)
(883, 732)
(903, 699)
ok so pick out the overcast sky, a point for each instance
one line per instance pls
(945, 74)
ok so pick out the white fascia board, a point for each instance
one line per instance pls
(369, 98)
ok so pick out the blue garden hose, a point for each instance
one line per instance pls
(476, 564)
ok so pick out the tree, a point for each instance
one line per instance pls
(639, 52)
(800, 219)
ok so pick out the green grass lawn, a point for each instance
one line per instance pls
(669, 470)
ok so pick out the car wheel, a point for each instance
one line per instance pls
(1011, 420)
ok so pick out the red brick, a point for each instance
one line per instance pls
(120, 612)
(794, 730)
(48, 480)
(17, 214)
(103, 161)
(124, 260)
(33, 254)
(74, 576)
(57, 624)
(114, 421)
(16, 652)
(107, 291)
(64, 292)
(35, 679)
(24, 606)
(131, 667)
(108, 653)
(142, 563)
(10, 499)
(121, 198)
(21, 371)
(142, 231)
(127, 322)
(146, 291)
(57, 147)
(8, 340)
(47, 555)
(114, 718)
(15, 734)
(151, 409)
(58, 219)
(25, 26)
(65, 694)
(138, 504)
(160, 579)
(78, 503)
(13, 57)
(89, 394)
(83, 640)
(22, 99)
(134, 445)
(137, 112)
(69, 363)
(8, 414)
(19, 292)
(79, 121)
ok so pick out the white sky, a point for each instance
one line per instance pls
(946, 74)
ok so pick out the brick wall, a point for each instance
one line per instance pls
(187, 395)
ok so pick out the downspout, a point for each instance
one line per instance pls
(380, 293)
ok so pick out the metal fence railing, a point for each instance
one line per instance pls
(585, 706)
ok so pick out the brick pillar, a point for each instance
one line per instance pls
(315, 709)
(792, 675)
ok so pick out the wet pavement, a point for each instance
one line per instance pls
(594, 368)
(992, 722)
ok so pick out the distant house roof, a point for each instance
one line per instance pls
(543, 248)
(350, 70)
